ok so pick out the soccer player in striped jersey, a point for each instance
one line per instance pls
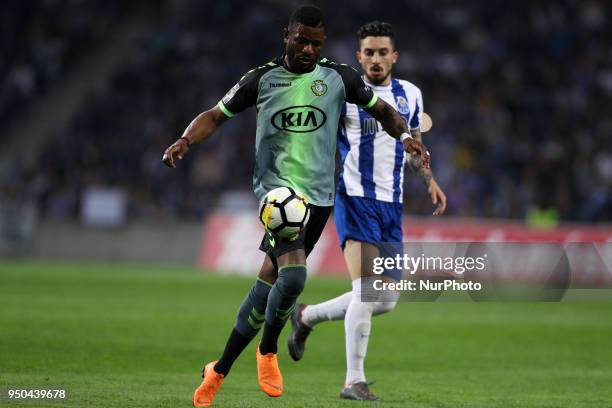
(368, 207)
(299, 99)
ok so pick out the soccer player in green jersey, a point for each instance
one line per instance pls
(299, 98)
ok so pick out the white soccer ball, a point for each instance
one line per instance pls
(284, 212)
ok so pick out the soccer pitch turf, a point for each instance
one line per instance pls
(136, 336)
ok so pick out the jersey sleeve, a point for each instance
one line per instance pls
(415, 121)
(242, 95)
(357, 91)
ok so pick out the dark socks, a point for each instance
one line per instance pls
(251, 314)
(248, 322)
(269, 339)
(234, 346)
(281, 301)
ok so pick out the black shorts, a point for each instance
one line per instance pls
(306, 240)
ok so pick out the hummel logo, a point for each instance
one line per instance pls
(279, 84)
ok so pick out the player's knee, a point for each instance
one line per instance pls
(268, 271)
(356, 290)
(386, 302)
(363, 291)
(384, 307)
(292, 279)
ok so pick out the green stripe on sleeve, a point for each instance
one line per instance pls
(371, 103)
(224, 109)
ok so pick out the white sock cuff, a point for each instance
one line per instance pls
(333, 309)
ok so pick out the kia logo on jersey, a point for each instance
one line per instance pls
(299, 119)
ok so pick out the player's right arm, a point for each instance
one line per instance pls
(241, 96)
(202, 127)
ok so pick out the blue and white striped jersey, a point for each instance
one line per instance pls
(372, 161)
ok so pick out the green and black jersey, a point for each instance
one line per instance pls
(297, 123)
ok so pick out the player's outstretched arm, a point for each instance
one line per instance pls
(198, 130)
(395, 126)
(438, 197)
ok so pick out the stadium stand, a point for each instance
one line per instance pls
(42, 40)
(519, 95)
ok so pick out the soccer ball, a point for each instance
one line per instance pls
(284, 212)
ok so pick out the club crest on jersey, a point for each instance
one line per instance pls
(402, 105)
(319, 87)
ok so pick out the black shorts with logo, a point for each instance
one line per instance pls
(307, 239)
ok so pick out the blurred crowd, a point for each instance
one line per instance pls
(41, 40)
(518, 93)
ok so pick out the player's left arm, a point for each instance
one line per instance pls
(393, 124)
(438, 198)
(437, 195)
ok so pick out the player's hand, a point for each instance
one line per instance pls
(176, 151)
(414, 147)
(437, 197)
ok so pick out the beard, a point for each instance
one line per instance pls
(377, 80)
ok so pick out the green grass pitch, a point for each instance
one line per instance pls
(135, 336)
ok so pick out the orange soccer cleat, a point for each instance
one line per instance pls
(268, 374)
(204, 394)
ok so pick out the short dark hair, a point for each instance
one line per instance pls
(310, 16)
(376, 29)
